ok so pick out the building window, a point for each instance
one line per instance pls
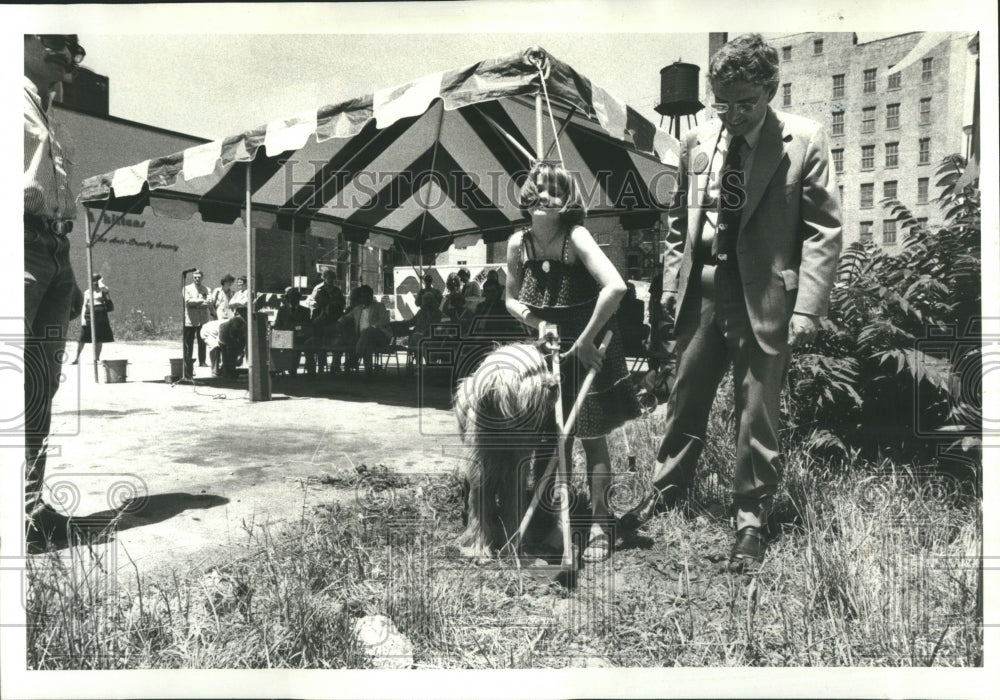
(926, 70)
(892, 116)
(868, 120)
(840, 193)
(868, 157)
(923, 189)
(865, 232)
(895, 80)
(838, 123)
(890, 189)
(786, 95)
(869, 80)
(889, 232)
(786, 53)
(817, 47)
(925, 110)
(892, 155)
(838, 160)
(838, 86)
(867, 195)
(925, 151)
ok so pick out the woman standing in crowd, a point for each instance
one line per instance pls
(240, 299)
(98, 298)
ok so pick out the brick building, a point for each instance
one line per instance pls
(888, 134)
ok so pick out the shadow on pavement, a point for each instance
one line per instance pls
(102, 526)
(432, 389)
(149, 510)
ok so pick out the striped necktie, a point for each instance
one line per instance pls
(732, 195)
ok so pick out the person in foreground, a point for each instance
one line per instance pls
(51, 294)
(557, 275)
(751, 257)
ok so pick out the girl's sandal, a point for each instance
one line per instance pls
(598, 548)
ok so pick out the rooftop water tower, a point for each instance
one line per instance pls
(679, 95)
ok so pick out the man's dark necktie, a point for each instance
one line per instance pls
(732, 196)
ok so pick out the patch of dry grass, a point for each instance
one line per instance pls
(876, 564)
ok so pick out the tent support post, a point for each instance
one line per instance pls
(257, 376)
(539, 147)
(89, 298)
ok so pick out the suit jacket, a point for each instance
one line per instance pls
(378, 317)
(790, 234)
(196, 310)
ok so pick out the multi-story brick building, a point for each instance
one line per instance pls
(888, 134)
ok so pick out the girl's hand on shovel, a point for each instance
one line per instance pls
(548, 336)
(590, 356)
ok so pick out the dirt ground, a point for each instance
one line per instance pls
(196, 462)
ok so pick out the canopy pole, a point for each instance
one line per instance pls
(539, 147)
(89, 298)
(256, 370)
(434, 154)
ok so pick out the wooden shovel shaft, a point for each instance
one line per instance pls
(560, 458)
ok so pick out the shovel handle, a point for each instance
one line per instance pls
(584, 388)
(564, 429)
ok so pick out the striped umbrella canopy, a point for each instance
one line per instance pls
(433, 162)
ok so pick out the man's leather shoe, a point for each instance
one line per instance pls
(47, 527)
(748, 552)
(654, 503)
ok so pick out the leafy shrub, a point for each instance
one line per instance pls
(891, 367)
(136, 325)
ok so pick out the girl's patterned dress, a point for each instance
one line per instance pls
(565, 294)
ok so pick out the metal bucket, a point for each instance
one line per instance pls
(115, 371)
(177, 368)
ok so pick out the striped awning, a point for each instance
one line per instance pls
(433, 162)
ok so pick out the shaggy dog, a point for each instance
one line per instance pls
(506, 416)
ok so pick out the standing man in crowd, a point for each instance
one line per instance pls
(197, 312)
(470, 288)
(751, 257)
(327, 303)
(51, 294)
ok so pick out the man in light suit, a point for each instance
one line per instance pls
(751, 258)
(197, 312)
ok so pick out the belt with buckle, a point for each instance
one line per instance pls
(59, 227)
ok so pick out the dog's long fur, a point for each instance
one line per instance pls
(505, 413)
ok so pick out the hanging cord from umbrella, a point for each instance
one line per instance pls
(555, 141)
(543, 74)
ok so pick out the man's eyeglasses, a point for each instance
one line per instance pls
(743, 106)
(58, 42)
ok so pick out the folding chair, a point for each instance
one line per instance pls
(397, 344)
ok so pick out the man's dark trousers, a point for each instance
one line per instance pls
(49, 286)
(713, 331)
(190, 334)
